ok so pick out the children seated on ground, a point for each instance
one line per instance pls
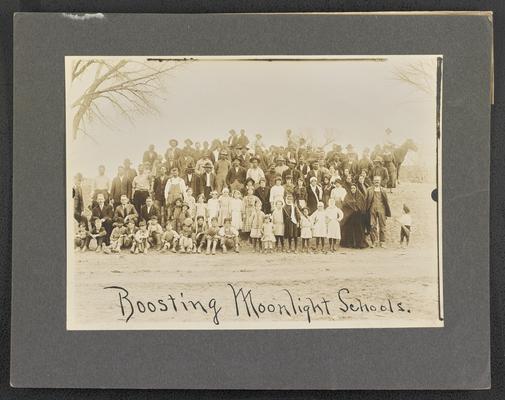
(228, 237)
(212, 236)
(97, 234)
(186, 241)
(117, 236)
(155, 231)
(200, 230)
(169, 239)
(81, 237)
(140, 243)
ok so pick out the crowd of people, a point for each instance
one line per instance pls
(203, 197)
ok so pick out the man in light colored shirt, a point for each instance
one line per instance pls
(175, 189)
(255, 172)
(101, 185)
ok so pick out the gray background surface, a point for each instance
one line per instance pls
(44, 354)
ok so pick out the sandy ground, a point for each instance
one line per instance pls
(350, 288)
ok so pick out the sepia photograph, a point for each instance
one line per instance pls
(253, 192)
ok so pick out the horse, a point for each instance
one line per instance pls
(400, 153)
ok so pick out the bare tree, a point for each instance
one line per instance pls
(419, 75)
(129, 86)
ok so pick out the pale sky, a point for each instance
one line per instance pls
(203, 100)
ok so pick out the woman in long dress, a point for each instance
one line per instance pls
(224, 206)
(352, 225)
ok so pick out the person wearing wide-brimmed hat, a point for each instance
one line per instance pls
(365, 163)
(207, 180)
(291, 171)
(192, 180)
(236, 175)
(173, 152)
(243, 140)
(379, 170)
(280, 165)
(255, 172)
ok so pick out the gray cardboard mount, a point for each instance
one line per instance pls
(44, 354)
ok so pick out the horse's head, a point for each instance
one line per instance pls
(410, 145)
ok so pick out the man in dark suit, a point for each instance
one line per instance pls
(315, 172)
(124, 210)
(314, 194)
(78, 200)
(207, 180)
(159, 192)
(236, 176)
(121, 185)
(292, 171)
(192, 180)
(105, 213)
(148, 210)
(377, 205)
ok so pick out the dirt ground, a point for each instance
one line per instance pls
(390, 287)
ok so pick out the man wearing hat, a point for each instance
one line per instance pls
(381, 171)
(173, 152)
(236, 175)
(192, 180)
(365, 163)
(243, 140)
(255, 172)
(314, 172)
(150, 155)
(185, 160)
(377, 205)
(245, 157)
(302, 167)
(223, 166)
(280, 165)
(258, 143)
(291, 171)
(232, 139)
(188, 149)
(130, 172)
(207, 180)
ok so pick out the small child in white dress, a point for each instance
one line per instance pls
(333, 217)
(319, 225)
(305, 229)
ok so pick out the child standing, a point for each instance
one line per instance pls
(213, 206)
(250, 205)
(176, 214)
(333, 217)
(278, 221)
(201, 208)
(319, 225)
(237, 210)
(305, 229)
(267, 234)
(406, 222)
(190, 199)
(183, 216)
(129, 234)
(291, 223)
(224, 206)
(257, 218)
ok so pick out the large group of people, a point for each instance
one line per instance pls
(227, 194)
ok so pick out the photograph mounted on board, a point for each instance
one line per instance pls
(253, 192)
